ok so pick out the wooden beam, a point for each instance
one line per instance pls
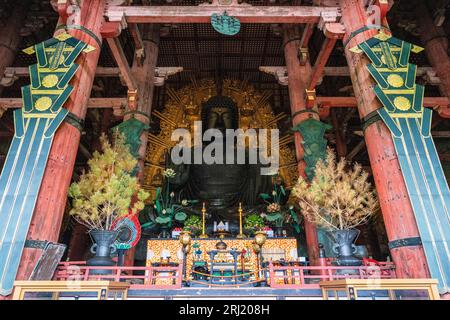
(440, 104)
(99, 72)
(321, 61)
(122, 63)
(344, 72)
(84, 151)
(355, 150)
(331, 102)
(339, 134)
(202, 13)
(115, 72)
(161, 73)
(138, 44)
(117, 104)
(107, 103)
(440, 134)
(306, 35)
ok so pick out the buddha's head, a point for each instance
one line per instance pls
(219, 112)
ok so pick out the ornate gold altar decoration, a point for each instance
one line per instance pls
(184, 107)
(171, 247)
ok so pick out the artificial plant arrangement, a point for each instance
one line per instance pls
(338, 198)
(253, 222)
(108, 190)
(166, 209)
(278, 210)
(193, 224)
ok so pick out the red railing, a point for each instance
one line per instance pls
(295, 277)
(151, 277)
(298, 277)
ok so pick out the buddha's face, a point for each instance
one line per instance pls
(220, 118)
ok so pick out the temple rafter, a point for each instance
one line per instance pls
(440, 104)
(203, 13)
(122, 63)
(11, 74)
(428, 74)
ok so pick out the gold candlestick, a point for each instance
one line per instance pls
(241, 235)
(204, 235)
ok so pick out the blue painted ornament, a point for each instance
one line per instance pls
(225, 24)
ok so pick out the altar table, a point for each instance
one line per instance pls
(171, 250)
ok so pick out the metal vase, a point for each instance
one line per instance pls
(103, 247)
(165, 232)
(278, 232)
(344, 247)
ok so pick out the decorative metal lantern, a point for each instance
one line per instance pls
(185, 238)
(260, 238)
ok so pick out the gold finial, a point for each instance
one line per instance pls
(204, 235)
(241, 235)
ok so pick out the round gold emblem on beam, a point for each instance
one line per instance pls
(402, 103)
(43, 103)
(49, 81)
(395, 80)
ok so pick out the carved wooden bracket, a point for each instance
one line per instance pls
(280, 73)
(113, 29)
(327, 17)
(431, 77)
(163, 73)
(8, 78)
(334, 30)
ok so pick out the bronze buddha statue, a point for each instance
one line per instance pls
(221, 186)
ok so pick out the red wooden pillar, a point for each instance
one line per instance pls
(77, 244)
(10, 36)
(397, 212)
(298, 80)
(46, 222)
(144, 74)
(436, 45)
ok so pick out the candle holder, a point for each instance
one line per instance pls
(185, 240)
(203, 235)
(258, 242)
(241, 235)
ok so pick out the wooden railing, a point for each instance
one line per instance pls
(295, 277)
(298, 277)
(150, 277)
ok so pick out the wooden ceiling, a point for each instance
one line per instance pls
(204, 53)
